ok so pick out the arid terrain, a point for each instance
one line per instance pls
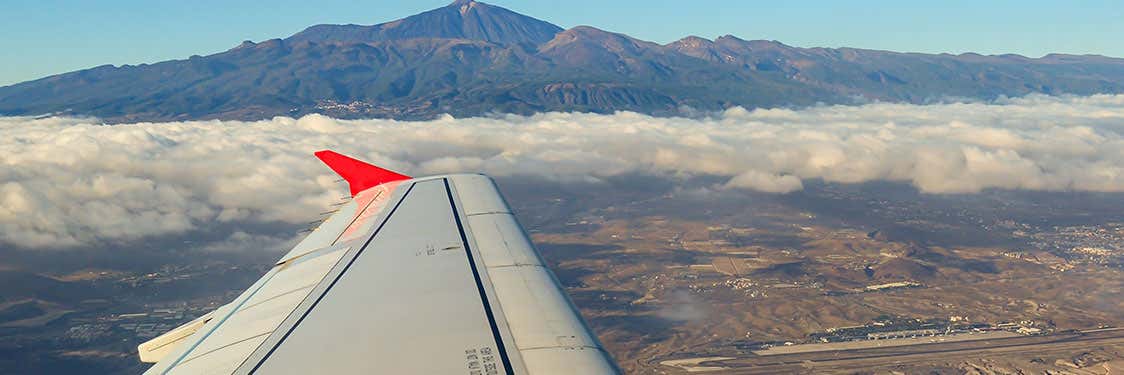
(699, 274)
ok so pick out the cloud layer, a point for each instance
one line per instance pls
(67, 182)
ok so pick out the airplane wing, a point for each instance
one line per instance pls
(413, 276)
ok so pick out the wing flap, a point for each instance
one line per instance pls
(547, 329)
(261, 313)
(537, 312)
(567, 361)
(222, 360)
(224, 341)
(154, 350)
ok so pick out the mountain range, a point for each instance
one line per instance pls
(470, 58)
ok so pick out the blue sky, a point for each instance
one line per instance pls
(44, 37)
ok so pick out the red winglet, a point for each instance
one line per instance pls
(359, 175)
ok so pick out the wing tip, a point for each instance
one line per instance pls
(359, 175)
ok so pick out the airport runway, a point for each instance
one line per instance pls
(847, 361)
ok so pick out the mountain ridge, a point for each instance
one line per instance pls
(470, 58)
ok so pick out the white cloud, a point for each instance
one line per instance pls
(766, 182)
(68, 182)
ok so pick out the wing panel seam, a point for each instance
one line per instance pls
(218, 324)
(225, 346)
(334, 281)
(357, 215)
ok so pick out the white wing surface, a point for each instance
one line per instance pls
(413, 276)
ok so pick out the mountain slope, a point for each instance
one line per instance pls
(914, 77)
(463, 19)
(471, 58)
